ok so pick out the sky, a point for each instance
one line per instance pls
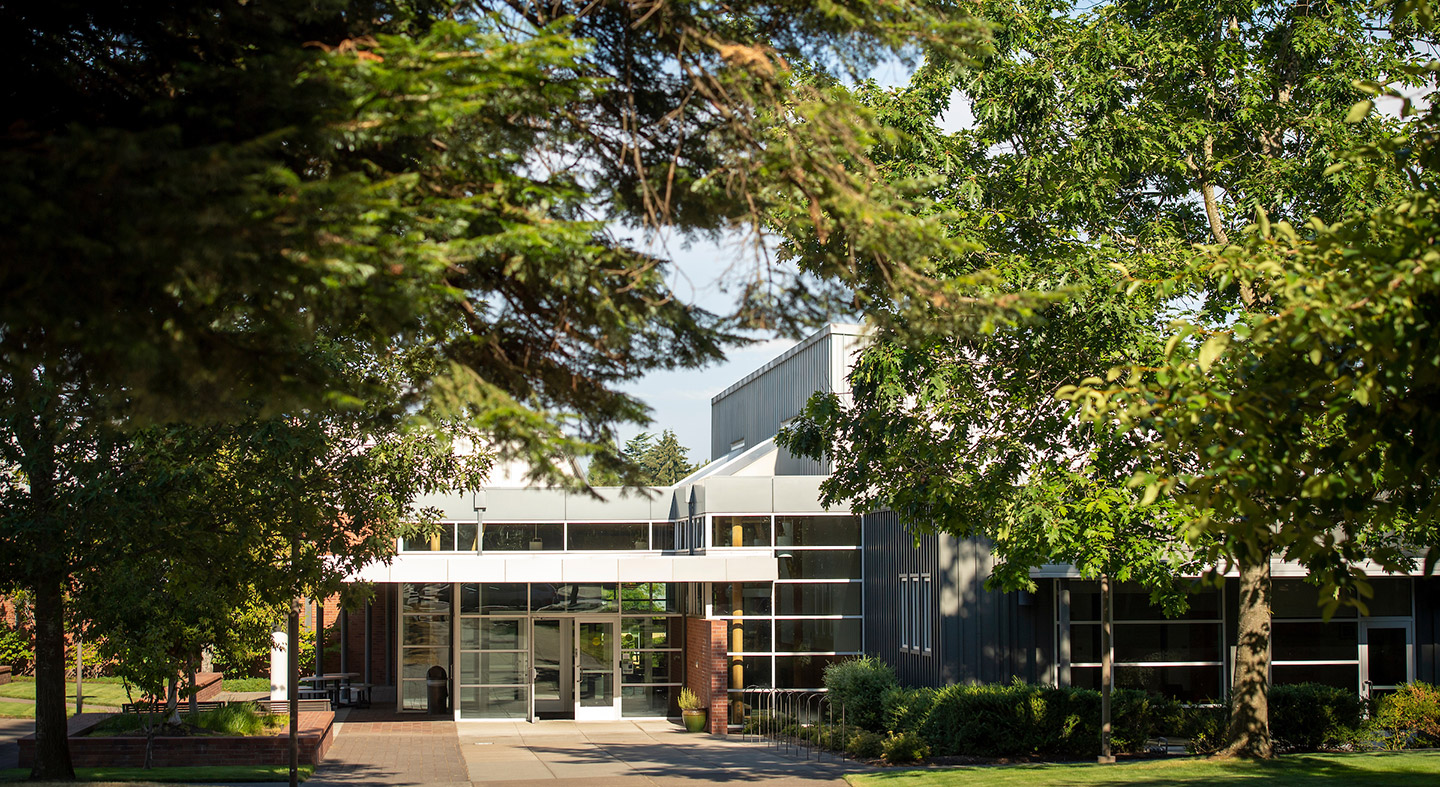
(680, 400)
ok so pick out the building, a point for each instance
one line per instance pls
(541, 603)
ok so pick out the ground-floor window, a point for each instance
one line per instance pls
(1181, 657)
(1190, 657)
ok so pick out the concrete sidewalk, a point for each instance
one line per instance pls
(399, 750)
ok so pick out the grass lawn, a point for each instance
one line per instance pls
(133, 777)
(108, 692)
(1398, 769)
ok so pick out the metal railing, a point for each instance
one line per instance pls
(792, 721)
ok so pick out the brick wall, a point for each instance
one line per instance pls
(380, 672)
(706, 668)
(317, 732)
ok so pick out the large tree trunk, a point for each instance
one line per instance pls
(52, 741)
(1249, 731)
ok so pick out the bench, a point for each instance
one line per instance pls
(306, 705)
(273, 706)
(183, 707)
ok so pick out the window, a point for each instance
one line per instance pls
(915, 613)
(782, 634)
(1181, 657)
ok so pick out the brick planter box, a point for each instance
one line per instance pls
(317, 732)
(4, 674)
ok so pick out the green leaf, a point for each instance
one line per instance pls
(1359, 111)
(1212, 348)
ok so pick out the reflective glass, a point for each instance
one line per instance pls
(1296, 598)
(574, 598)
(803, 672)
(750, 671)
(1168, 642)
(648, 597)
(801, 636)
(427, 630)
(418, 661)
(1334, 641)
(753, 635)
(1133, 603)
(581, 536)
(651, 632)
(1341, 676)
(523, 537)
(1189, 684)
(820, 564)
(649, 701)
(662, 536)
(753, 598)
(652, 666)
(504, 597)
(818, 599)
(442, 540)
(740, 531)
(502, 633)
(494, 702)
(433, 598)
(817, 531)
(504, 667)
(467, 536)
(1388, 657)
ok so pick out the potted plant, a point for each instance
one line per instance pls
(692, 710)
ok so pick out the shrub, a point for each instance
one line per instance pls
(16, 649)
(904, 747)
(1021, 720)
(858, 686)
(865, 745)
(1410, 717)
(1204, 726)
(905, 709)
(1311, 716)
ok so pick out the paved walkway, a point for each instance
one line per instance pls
(12, 730)
(379, 748)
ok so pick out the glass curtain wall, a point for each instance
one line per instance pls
(783, 634)
(493, 628)
(425, 611)
(547, 537)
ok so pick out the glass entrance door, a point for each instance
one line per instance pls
(553, 671)
(1385, 656)
(596, 668)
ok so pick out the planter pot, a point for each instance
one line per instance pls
(694, 720)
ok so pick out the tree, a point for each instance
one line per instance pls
(659, 462)
(1310, 423)
(454, 187)
(1107, 141)
(667, 461)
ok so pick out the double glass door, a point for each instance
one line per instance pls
(575, 662)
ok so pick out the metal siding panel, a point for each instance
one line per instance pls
(1427, 629)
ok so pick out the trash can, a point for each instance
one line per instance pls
(436, 690)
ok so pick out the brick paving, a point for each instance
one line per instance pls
(377, 746)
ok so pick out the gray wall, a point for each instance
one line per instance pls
(979, 636)
(754, 408)
(1427, 629)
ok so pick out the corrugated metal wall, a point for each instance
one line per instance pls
(980, 636)
(1427, 630)
(754, 408)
